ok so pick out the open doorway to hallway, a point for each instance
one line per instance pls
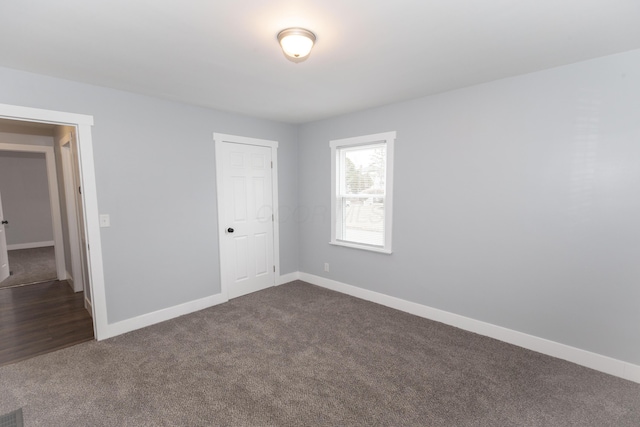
(45, 305)
(26, 213)
(28, 266)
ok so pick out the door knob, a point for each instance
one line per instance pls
(230, 230)
(5, 222)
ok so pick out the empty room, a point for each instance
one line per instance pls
(298, 213)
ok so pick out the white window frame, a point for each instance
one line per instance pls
(388, 138)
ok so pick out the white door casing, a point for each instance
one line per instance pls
(54, 199)
(70, 190)
(80, 222)
(4, 256)
(246, 215)
(95, 272)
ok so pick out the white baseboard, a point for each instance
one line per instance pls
(128, 325)
(30, 245)
(286, 278)
(632, 372)
(88, 306)
(69, 280)
(578, 356)
(152, 318)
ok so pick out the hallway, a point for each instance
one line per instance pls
(32, 265)
(40, 318)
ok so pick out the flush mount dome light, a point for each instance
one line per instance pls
(296, 42)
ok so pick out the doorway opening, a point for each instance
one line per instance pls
(76, 241)
(27, 220)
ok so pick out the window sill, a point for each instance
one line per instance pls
(362, 247)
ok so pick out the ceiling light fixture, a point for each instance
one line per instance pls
(296, 42)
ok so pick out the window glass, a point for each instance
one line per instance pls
(361, 192)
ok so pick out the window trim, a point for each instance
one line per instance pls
(388, 138)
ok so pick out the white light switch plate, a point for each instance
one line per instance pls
(105, 220)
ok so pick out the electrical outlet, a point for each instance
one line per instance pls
(105, 220)
(326, 266)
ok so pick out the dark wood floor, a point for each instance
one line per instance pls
(40, 318)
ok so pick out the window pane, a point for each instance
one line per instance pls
(363, 170)
(363, 220)
(363, 187)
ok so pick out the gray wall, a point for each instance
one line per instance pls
(25, 197)
(516, 203)
(155, 173)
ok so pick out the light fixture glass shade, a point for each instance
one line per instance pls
(296, 42)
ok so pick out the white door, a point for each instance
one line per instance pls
(246, 218)
(4, 257)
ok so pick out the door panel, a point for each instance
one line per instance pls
(247, 234)
(242, 255)
(4, 256)
(261, 251)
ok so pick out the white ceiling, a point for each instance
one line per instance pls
(224, 54)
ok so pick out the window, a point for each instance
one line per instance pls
(361, 191)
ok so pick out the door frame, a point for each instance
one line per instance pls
(83, 124)
(70, 186)
(219, 139)
(54, 199)
(5, 270)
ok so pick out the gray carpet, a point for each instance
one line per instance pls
(31, 266)
(299, 355)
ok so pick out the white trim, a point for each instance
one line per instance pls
(87, 177)
(363, 140)
(87, 305)
(286, 278)
(220, 202)
(92, 230)
(632, 372)
(70, 189)
(276, 208)
(357, 246)
(148, 319)
(578, 356)
(219, 139)
(388, 138)
(54, 199)
(223, 137)
(15, 112)
(31, 245)
(70, 281)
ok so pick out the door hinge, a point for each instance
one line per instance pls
(79, 190)
(271, 164)
(273, 218)
(274, 268)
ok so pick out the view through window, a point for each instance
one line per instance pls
(361, 211)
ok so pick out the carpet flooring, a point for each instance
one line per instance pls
(299, 355)
(31, 266)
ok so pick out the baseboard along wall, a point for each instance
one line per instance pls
(139, 322)
(578, 356)
(128, 325)
(286, 278)
(575, 355)
(31, 245)
(88, 306)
